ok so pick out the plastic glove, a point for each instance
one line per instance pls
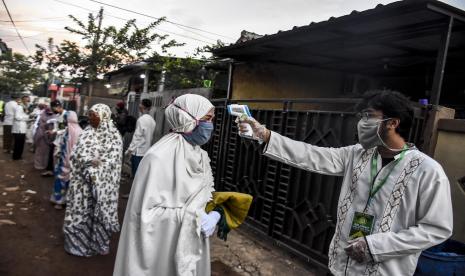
(260, 132)
(358, 250)
(209, 222)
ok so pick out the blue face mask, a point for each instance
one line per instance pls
(201, 134)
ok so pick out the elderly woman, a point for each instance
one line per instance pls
(92, 199)
(42, 141)
(64, 146)
(165, 230)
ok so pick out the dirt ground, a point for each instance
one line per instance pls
(33, 245)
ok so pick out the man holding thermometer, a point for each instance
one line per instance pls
(395, 200)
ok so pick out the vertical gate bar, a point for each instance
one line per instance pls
(222, 140)
(278, 171)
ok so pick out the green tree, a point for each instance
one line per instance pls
(18, 73)
(186, 72)
(201, 52)
(107, 48)
(47, 58)
(134, 44)
(180, 73)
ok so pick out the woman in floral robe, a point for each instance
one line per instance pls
(92, 199)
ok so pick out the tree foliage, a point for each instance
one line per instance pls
(107, 47)
(18, 73)
(201, 52)
(187, 72)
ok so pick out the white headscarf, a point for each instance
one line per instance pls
(173, 183)
(181, 112)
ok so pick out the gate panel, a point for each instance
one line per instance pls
(306, 202)
(291, 205)
(247, 170)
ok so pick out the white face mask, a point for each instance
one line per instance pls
(368, 133)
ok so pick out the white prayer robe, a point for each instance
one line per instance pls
(143, 135)
(20, 120)
(412, 210)
(9, 110)
(161, 230)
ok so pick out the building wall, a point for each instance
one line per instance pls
(450, 153)
(272, 81)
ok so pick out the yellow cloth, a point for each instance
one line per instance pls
(235, 206)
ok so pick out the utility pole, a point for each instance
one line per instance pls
(161, 84)
(93, 57)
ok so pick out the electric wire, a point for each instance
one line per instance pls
(13, 22)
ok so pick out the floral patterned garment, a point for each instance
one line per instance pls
(92, 199)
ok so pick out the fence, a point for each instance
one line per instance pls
(296, 208)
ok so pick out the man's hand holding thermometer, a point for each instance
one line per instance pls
(248, 126)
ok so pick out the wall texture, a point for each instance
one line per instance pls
(267, 80)
(278, 81)
(450, 153)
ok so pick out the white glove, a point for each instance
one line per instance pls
(209, 222)
(260, 132)
(358, 250)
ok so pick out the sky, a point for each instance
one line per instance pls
(209, 20)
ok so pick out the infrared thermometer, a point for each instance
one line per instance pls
(241, 111)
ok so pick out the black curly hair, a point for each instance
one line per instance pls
(146, 103)
(393, 104)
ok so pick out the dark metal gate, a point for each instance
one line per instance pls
(294, 207)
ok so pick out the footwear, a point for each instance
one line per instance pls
(52, 199)
(47, 173)
(61, 201)
(58, 206)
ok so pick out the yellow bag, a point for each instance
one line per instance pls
(233, 208)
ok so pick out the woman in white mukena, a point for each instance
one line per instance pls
(165, 230)
(395, 200)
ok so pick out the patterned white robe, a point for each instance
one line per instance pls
(91, 214)
(412, 210)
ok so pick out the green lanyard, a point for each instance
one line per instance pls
(374, 170)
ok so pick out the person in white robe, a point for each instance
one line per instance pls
(385, 179)
(165, 230)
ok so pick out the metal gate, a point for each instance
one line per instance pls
(294, 207)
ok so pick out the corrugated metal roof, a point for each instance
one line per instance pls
(397, 34)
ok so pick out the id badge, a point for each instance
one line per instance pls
(362, 225)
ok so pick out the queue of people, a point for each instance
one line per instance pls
(395, 201)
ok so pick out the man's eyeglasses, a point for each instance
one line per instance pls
(366, 115)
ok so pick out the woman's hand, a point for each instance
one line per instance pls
(209, 222)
